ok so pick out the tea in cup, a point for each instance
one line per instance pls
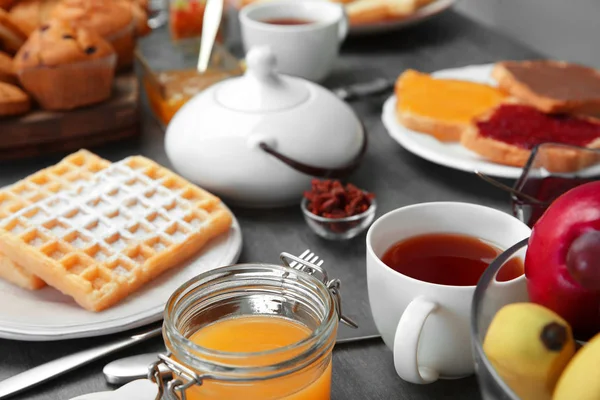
(305, 36)
(423, 262)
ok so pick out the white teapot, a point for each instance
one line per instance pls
(257, 140)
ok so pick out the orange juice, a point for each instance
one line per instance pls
(263, 336)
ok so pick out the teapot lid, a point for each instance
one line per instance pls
(261, 89)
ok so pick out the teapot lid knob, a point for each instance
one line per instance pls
(261, 88)
(261, 62)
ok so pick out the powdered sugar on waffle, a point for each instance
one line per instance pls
(118, 205)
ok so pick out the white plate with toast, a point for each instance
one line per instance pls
(452, 155)
(377, 16)
(47, 314)
(420, 15)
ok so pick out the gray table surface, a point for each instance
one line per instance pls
(398, 178)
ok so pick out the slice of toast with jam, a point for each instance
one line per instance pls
(507, 135)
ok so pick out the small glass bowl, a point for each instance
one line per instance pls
(339, 228)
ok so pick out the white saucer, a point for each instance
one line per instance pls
(451, 155)
(46, 314)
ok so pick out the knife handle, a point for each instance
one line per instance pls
(213, 13)
(52, 369)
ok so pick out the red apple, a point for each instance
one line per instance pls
(562, 264)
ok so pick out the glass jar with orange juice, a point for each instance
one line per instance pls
(253, 331)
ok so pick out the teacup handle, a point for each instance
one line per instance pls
(343, 26)
(406, 342)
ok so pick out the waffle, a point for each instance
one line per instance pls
(34, 189)
(98, 231)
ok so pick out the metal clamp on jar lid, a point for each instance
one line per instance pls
(298, 293)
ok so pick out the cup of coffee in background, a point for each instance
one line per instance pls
(423, 262)
(305, 36)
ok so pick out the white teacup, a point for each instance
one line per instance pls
(308, 50)
(426, 325)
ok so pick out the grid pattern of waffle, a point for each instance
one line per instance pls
(68, 173)
(98, 231)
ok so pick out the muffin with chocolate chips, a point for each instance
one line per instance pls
(12, 36)
(31, 14)
(64, 67)
(111, 19)
(13, 101)
(7, 69)
(6, 4)
(140, 10)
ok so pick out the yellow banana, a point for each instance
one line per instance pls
(581, 379)
(529, 346)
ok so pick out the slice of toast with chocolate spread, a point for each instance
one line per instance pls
(507, 134)
(551, 86)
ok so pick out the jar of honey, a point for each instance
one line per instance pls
(252, 331)
(170, 76)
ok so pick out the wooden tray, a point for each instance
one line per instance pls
(42, 132)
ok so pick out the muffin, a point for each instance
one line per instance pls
(140, 15)
(6, 4)
(64, 67)
(7, 69)
(31, 14)
(145, 4)
(13, 101)
(111, 19)
(11, 35)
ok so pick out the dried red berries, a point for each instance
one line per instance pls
(331, 199)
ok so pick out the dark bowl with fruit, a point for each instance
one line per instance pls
(545, 343)
(543, 180)
(337, 211)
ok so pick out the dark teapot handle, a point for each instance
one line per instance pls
(331, 173)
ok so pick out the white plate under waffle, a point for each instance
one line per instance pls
(451, 155)
(46, 314)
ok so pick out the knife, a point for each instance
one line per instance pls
(125, 370)
(52, 369)
(135, 368)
